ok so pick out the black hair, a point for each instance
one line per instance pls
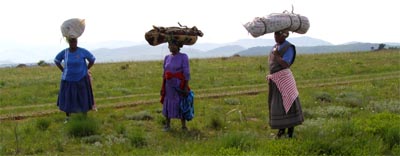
(282, 32)
(175, 42)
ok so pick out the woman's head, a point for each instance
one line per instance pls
(174, 47)
(280, 36)
(73, 43)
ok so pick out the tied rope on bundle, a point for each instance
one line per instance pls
(276, 22)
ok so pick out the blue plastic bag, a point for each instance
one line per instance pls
(186, 106)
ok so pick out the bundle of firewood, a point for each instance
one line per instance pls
(182, 35)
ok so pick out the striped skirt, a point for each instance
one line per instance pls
(75, 97)
(278, 119)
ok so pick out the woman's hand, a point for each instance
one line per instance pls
(60, 67)
(185, 92)
(182, 92)
(268, 77)
(275, 51)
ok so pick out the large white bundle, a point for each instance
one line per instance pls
(277, 21)
(73, 28)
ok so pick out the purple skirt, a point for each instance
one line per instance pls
(75, 96)
(171, 101)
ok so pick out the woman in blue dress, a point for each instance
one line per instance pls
(75, 95)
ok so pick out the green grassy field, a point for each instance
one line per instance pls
(351, 104)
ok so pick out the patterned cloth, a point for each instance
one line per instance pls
(184, 35)
(287, 86)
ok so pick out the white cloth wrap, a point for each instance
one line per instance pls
(277, 21)
(73, 28)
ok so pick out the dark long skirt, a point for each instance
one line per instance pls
(75, 97)
(278, 119)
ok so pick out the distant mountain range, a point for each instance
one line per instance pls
(117, 51)
(244, 47)
(353, 47)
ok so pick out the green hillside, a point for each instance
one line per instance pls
(351, 103)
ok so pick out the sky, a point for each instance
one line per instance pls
(36, 23)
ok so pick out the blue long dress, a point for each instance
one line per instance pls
(75, 93)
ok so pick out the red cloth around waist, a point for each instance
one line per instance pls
(169, 75)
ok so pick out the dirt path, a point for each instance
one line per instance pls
(204, 93)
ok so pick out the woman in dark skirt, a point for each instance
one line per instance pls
(75, 95)
(283, 101)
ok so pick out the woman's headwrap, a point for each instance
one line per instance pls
(175, 42)
(284, 32)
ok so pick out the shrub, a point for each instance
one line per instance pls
(120, 129)
(216, 123)
(229, 151)
(377, 83)
(244, 141)
(143, 115)
(21, 65)
(91, 139)
(382, 106)
(323, 97)
(2, 84)
(42, 63)
(347, 128)
(379, 123)
(308, 114)
(396, 150)
(383, 125)
(340, 138)
(59, 146)
(43, 124)
(338, 111)
(124, 67)
(81, 126)
(392, 136)
(160, 119)
(328, 111)
(350, 98)
(281, 146)
(232, 101)
(137, 139)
